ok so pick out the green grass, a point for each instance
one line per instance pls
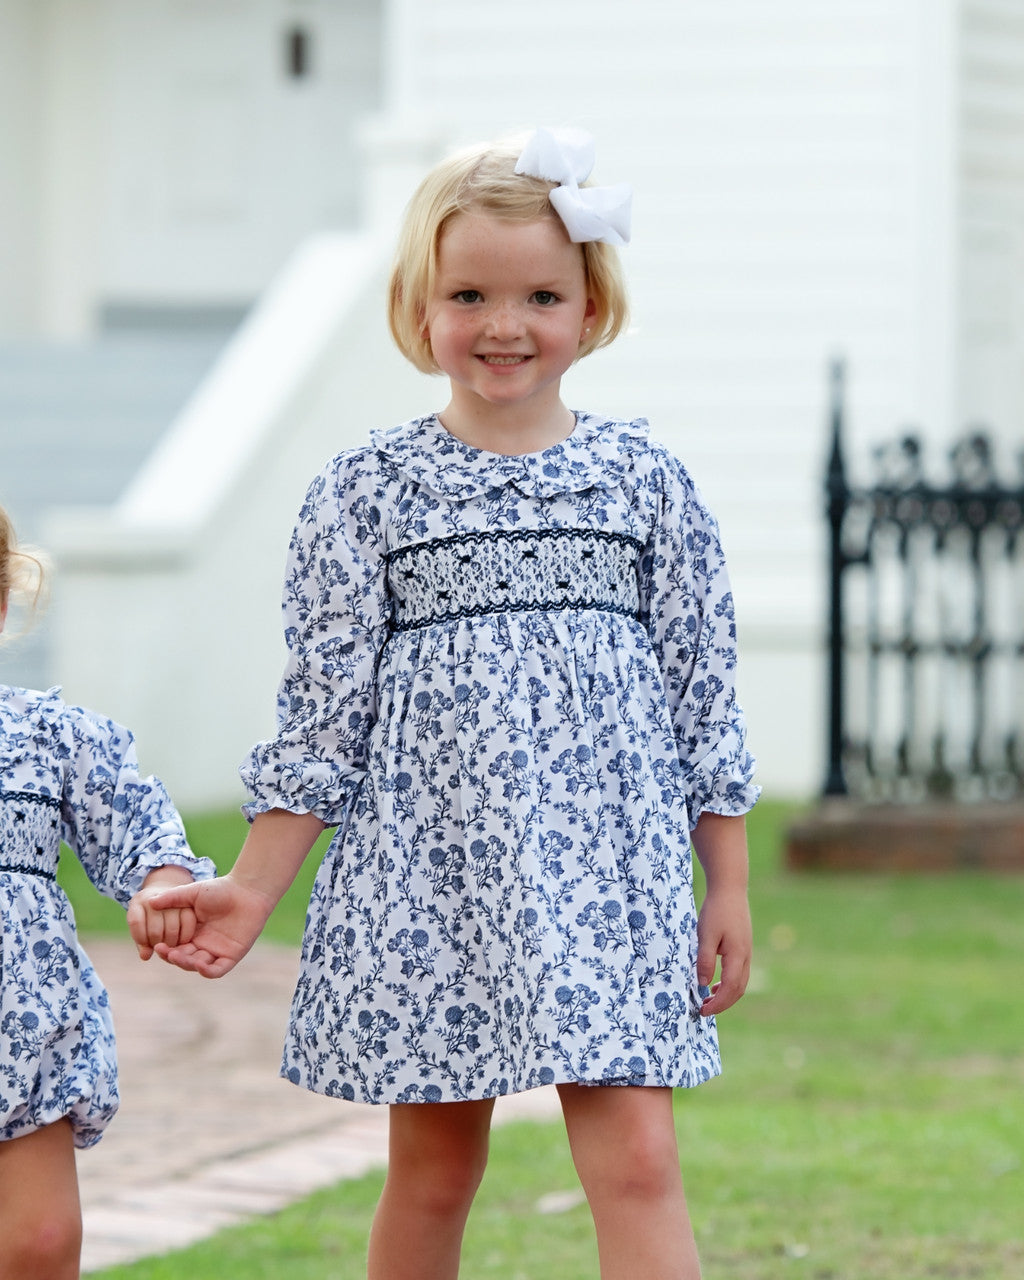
(870, 1122)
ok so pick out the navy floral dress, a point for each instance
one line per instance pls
(66, 774)
(510, 686)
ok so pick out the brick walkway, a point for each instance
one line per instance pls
(208, 1134)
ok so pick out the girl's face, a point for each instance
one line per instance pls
(507, 312)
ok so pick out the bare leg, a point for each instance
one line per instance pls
(437, 1153)
(623, 1143)
(40, 1213)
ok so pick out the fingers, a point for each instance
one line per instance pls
(187, 925)
(195, 959)
(139, 934)
(182, 895)
(140, 926)
(724, 994)
(148, 924)
(735, 957)
(723, 931)
(707, 961)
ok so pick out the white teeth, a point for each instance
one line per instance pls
(503, 359)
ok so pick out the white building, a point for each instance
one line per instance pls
(811, 177)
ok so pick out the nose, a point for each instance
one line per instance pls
(504, 321)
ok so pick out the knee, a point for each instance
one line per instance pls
(644, 1167)
(47, 1244)
(437, 1157)
(438, 1179)
(443, 1188)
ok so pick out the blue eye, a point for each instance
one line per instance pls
(545, 297)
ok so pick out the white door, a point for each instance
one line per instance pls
(230, 136)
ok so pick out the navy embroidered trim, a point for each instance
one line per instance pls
(515, 606)
(52, 801)
(512, 535)
(21, 868)
(538, 595)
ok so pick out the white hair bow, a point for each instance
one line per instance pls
(566, 156)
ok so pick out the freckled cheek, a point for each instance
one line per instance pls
(564, 340)
(450, 340)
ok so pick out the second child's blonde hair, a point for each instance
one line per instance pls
(483, 179)
(22, 569)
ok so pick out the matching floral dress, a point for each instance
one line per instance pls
(67, 774)
(510, 687)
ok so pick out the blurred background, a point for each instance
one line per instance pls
(197, 203)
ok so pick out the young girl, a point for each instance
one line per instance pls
(510, 689)
(64, 774)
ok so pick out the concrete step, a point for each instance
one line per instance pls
(76, 422)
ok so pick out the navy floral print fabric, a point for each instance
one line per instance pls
(67, 774)
(511, 686)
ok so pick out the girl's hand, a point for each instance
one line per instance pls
(229, 917)
(149, 925)
(723, 929)
(723, 925)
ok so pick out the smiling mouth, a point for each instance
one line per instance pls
(503, 360)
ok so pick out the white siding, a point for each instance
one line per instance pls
(221, 159)
(20, 169)
(991, 159)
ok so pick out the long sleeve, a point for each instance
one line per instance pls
(688, 606)
(120, 824)
(336, 612)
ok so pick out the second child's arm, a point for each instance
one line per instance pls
(231, 911)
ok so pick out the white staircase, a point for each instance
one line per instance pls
(76, 423)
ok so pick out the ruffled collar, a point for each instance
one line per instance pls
(29, 720)
(596, 455)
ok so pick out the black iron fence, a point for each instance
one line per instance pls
(926, 644)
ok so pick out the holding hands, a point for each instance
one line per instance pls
(207, 927)
(204, 927)
(149, 924)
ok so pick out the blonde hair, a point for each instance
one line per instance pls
(22, 569)
(483, 179)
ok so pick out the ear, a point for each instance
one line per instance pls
(589, 315)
